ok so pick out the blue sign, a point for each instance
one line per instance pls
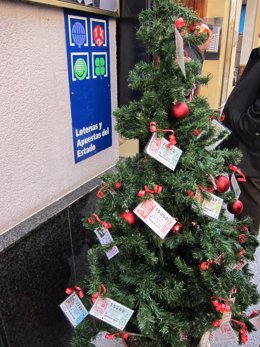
(87, 40)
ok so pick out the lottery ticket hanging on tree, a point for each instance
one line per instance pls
(160, 221)
(225, 334)
(180, 51)
(255, 321)
(158, 148)
(235, 186)
(111, 312)
(105, 238)
(210, 205)
(73, 309)
(219, 129)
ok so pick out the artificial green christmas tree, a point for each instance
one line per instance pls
(178, 265)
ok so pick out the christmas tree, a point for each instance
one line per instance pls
(170, 249)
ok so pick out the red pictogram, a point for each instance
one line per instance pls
(99, 35)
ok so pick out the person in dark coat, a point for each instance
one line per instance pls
(242, 117)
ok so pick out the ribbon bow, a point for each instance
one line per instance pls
(91, 220)
(98, 293)
(172, 138)
(254, 314)
(235, 169)
(112, 336)
(100, 192)
(157, 189)
(77, 290)
(243, 331)
(223, 307)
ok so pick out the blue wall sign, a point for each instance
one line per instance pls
(87, 40)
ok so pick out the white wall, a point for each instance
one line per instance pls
(36, 149)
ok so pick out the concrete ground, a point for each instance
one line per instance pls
(254, 337)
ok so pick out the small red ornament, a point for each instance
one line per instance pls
(179, 23)
(244, 228)
(211, 262)
(91, 220)
(128, 216)
(177, 228)
(100, 194)
(196, 132)
(223, 184)
(236, 208)
(118, 185)
(242, 238)
(179, 110)
(192, 27)
(194, 224)
(69, 291)
(204, 265)
(216, 323)
(241, 253)
(107, 225)
(191, 194)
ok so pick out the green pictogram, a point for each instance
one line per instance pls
(100, 67)
(80, 69)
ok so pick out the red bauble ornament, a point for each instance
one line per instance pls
(100, 194)
(179, 23)
(223, 184)
(128, 216)
(236, 208)
(118, 185)
(203, 266)
(177, 228)
(242, 238)
(179, 110)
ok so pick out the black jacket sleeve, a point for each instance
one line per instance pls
(247, 124)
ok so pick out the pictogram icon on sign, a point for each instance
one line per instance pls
(99, 35)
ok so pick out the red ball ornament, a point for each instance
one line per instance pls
(118, 185)
(179, 23)
(242, 238)
(128, 216)
(236, 208)
(223, 184)
(203, 266)
(100, 194)
(179, 110)
(177, 228)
